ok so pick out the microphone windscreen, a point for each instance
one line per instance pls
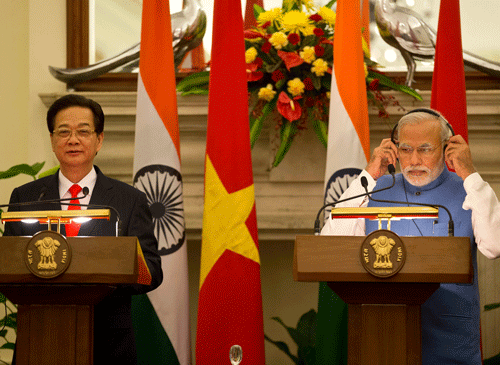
(364, 182)
(85, 191)
(42, 194)
(391, 169)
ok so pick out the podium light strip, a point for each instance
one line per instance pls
(63, 216)
(393, 213)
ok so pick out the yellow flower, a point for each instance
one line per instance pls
(295, 21)
(328, 15)
(308, 31)
(328, 94)
(272, 15)
(308, 54)
(267, 93)
(366, 69)
(250, 55)
(278, 40)
(295, 87)
(319, 67)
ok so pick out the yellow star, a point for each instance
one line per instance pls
(224, 217)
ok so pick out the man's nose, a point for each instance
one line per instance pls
(415, 157)
(73, 138)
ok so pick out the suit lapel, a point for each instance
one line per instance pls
(51, 186)
(101, 195)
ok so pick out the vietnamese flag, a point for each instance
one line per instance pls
(230, 298)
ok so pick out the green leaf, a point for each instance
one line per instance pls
(315, 80)
(310, 40)
(195, 92)
(321, 130)
(256, 123)
(49, 172)
(331, 3)
(287, 132)
(306, 327)
(257, 10)
(294, 333)
(22, 169)
(326, 81)
(37, 167)
(386, 81)
(283, 347)
(193, 83)
(3, 333)
(3, 299)
(8, 346)
(489, 307)
(307, 355)
(495, 360)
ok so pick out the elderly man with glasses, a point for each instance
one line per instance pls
(422, 142)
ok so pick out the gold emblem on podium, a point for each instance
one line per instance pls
(47, 254)
(383, 253)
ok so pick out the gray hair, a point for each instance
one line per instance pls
(423, 116)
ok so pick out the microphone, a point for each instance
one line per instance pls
(39, 201)
(317, 228)
(85, 192)
(42, 194)
(451, 224)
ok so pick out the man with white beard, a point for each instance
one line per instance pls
(422, 141)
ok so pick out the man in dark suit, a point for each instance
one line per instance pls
(76, 128)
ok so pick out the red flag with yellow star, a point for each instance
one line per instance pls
(230, 299)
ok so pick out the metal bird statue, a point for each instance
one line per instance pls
(406, 31)
(188, 29)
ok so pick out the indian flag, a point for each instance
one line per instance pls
(230, 299)
(161, 317)
(347, 154)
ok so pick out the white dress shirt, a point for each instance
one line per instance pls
(64, 185)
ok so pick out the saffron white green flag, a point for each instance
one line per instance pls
(161, 317)
(347, 154)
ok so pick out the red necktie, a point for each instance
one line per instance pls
(73, 228)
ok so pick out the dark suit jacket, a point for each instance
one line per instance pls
(113, 335)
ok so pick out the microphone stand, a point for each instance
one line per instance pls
(317, 228)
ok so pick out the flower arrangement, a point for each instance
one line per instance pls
(289, 58)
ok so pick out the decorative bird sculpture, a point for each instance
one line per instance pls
(188, 29)
(406, 31)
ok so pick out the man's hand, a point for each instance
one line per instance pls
(458, 156)
(382, 156)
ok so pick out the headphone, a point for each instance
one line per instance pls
(422, 110)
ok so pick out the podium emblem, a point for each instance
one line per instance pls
(383, 253)
(47, 254)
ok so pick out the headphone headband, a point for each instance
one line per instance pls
(421, 110)
(424, 110)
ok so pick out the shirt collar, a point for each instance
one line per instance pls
(88, 181)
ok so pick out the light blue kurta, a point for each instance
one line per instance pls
(451, 316)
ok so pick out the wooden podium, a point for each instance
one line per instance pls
(384, 314)
(56, 316)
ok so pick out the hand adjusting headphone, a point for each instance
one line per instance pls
(422, 110)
